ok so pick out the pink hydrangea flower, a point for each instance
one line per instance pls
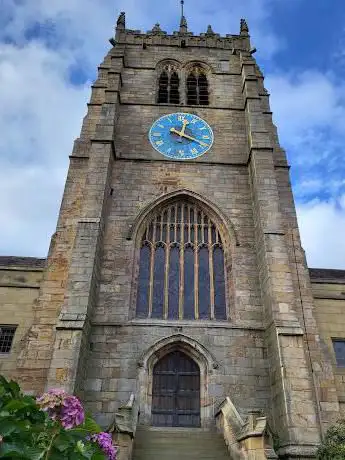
(72, 412)
(63, 407)
(105, 442)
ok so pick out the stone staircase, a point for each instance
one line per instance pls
(153, 443)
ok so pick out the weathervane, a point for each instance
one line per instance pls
(182, 4)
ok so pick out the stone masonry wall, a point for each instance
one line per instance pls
(116, 351)
(19, 287)
(85, 318)
(329, 298)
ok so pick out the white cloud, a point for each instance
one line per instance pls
(309, 108)
(41, 111)
(304, 101)
(39, 117)
(322, 225)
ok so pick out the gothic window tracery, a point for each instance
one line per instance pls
(168, 85)
(197, 87)
(182, 265)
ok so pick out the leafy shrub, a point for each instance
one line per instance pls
(52, 427)
(333, 446)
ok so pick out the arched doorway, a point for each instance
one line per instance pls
(176, 391)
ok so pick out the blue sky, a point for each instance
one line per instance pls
(49, 52)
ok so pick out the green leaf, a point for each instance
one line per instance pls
(9, 450)
(62, 443)
(56, 455)
(34, 453)
(7, 427)
(13, 388)
(98, 456)
(90, 425)
(16, 404)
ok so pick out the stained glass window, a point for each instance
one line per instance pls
(204, 283)
(158, 282)
(174, 283)
(189, 294)
(182, 265)
(219, 283)
(144, 281)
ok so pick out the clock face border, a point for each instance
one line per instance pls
(174, 156)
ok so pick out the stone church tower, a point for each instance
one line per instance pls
(176, 277)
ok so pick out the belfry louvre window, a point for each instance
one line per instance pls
(182, 267)
(6, 338)
(197, 87)
(168, 91)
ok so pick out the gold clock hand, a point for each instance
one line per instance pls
(180, 133)
(185, 123)
(203, 144)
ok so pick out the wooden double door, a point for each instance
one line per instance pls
(176, 391)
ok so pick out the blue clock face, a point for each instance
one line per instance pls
(181, 136)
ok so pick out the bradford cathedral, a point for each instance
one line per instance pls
(175, 299)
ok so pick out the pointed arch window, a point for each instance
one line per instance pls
(182, 265)
(197, 87)
(168, 86)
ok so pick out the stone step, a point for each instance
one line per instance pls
(178, 444)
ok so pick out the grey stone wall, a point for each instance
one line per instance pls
(267, 353)
(113, 369)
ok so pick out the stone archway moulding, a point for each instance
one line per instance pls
(182, 342)
(192, 348)
(214, 211)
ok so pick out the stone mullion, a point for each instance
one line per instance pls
(152, 265)
(167, 263)
(169, 87)
(211, 270)
(196, 279)
(166, 281)
(196, 282)
(181, 290)
(181, 312)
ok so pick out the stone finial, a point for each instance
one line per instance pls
(183, 25)
(244, 27)
(156, 30)
(121, 21)
(209, 30)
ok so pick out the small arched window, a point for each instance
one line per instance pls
(168, 86)
(197, 87)
(182, 266)
(163, 88)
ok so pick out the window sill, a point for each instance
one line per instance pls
(225, 324)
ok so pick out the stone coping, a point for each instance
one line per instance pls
(319, 275)
(327, 276)
(25, 263)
